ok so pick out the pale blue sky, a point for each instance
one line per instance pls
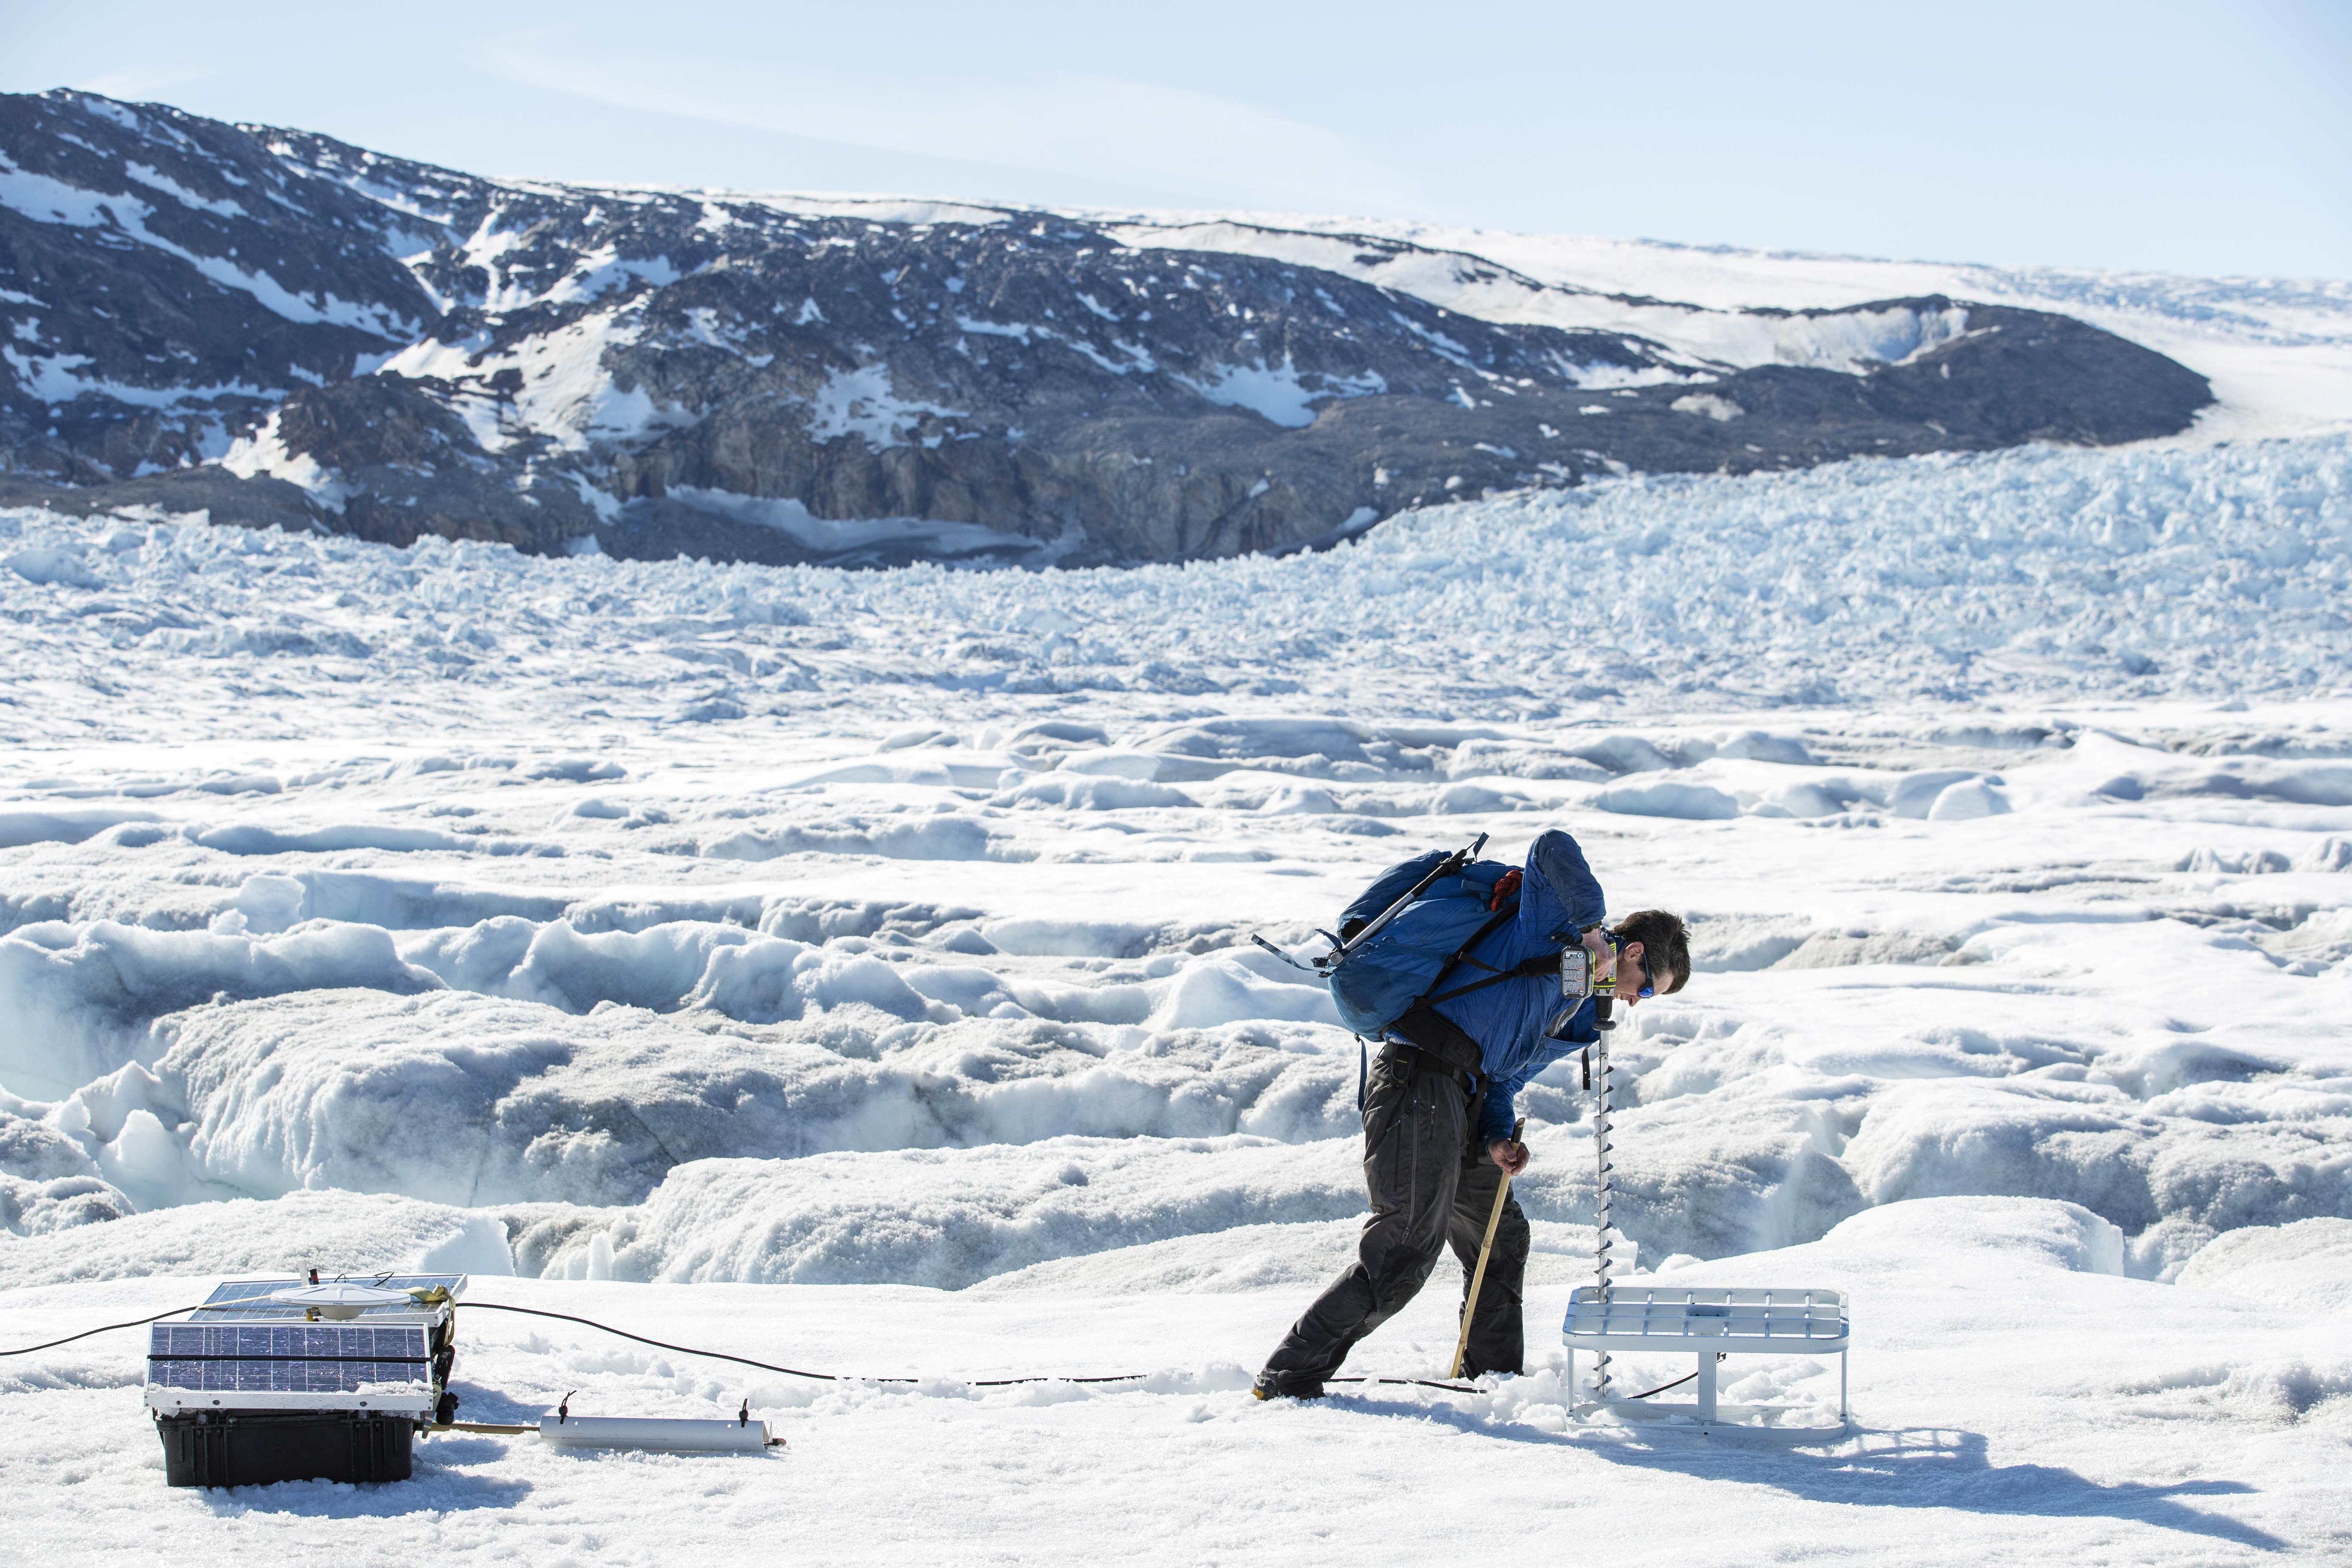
(2177, 135)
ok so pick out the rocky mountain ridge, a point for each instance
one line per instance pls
(282, 328)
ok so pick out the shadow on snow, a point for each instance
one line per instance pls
(1910, 1467)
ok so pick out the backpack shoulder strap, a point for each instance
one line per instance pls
(1493, 922)
(1526, 969)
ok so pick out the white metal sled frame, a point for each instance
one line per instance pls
(1709, 1323)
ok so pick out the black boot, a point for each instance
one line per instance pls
(1274, 1385)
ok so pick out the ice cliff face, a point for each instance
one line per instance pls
(284, 329)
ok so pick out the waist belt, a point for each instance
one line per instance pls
(1432, 1041)
(1429, 1061)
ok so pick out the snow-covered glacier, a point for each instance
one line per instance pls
(662, 935)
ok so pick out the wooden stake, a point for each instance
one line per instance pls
(1478, 1277)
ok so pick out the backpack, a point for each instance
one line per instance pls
(1379, 980)
(1407, 931)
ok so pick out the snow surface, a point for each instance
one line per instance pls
(851, 970)
(1278, 392)
(45, 200)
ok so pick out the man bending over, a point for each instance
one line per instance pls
(1438, 1118)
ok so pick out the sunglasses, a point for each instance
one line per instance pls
(1648, 981)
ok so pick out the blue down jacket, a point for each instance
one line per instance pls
(1558, 898)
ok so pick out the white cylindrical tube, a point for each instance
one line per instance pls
(640, 1432)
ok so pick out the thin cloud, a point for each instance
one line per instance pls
(1096, 127)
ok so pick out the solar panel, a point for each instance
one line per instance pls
(251, 1297)
(241, 1350)
(288, 1358)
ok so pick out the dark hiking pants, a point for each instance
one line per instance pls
(1432, 1186)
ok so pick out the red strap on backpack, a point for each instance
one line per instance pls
(1506, 884)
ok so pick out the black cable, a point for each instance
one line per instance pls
(741, 1361)
(1664, 1386)
(134, 1324)
(975, 1383)
(787, 1371)
(1676, 1384)
(110, 1328)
